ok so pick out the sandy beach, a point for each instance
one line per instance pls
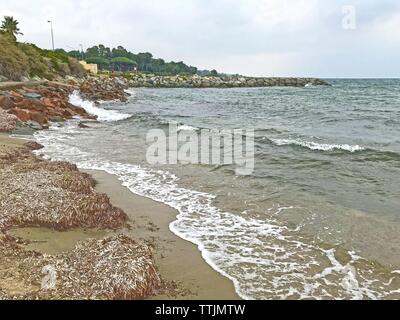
(184, 273)
(176, 259)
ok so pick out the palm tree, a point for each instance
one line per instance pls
(9, 26)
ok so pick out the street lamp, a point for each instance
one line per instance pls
(52, 35)
(82, 51)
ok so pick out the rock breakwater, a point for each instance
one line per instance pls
(183, 81)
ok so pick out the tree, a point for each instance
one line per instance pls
(9, 26)
(119, 52)
(121, 59)
(93, 52)
(75, 54)
(122, 64)
(101, 62)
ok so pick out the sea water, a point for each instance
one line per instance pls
(319, 216)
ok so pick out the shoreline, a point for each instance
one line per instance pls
(177, 260)
(184, 273)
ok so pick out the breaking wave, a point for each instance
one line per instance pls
(102, 114)
(317, 146)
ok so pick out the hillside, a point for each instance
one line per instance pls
(21, 61)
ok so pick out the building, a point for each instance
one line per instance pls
(91, 67)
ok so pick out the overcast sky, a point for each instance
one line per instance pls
(251, 37)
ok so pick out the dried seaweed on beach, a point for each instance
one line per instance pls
(117, 267)
(36, 192)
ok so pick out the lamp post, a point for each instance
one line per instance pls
(52, 35)
(82, 52)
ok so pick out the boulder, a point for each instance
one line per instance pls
(7, 121)
(22, 115)
(6, 102)
(26, 128)
(32, 95)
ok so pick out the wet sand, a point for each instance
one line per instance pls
(176, 259)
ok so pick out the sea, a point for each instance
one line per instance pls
(317, 218)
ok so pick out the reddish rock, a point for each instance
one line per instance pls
(48, 102)
(22, 115)
(31, 105)
(16, 95)
(68, 113)
(6, 103)
(39, 117)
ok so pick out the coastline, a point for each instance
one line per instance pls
(177, 260)
(183, 272)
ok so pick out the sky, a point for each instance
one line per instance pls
(321, 38)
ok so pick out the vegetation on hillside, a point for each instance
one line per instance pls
(19, 61)
(120, 59)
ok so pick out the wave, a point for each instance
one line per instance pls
(317, 146)
(263, 258)
(101, 114)
(130, 91)
(185, 127)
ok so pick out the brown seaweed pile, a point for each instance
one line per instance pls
(35, 192)
(117, 267)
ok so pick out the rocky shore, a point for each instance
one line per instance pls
(195, 81)
(24, 109)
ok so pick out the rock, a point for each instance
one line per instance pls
(56, 119)
(39, 117)
(6, 102)
(25, 79)
(121, 82)
(32, 95)
(16, 95)
(82, 125)
(196, 81)
(3, 79)
(7, 121)
(25, 128)
(34, 125)
(22, 115)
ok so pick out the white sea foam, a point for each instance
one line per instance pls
(262, 257)
(131, 91)
(101, 113)
(317, 146)
(185, 127)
